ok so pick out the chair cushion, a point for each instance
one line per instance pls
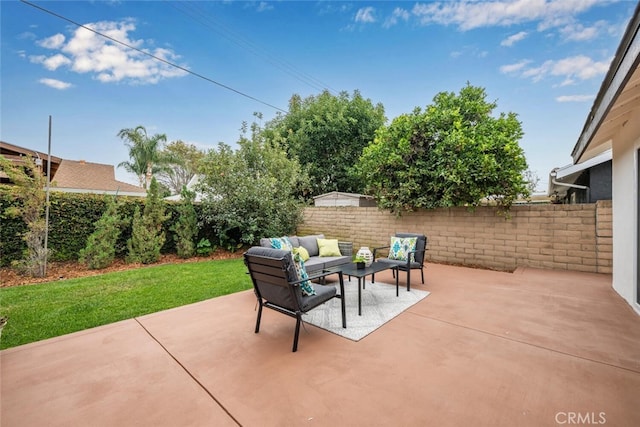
(328, 247)
(310, 243)
(400, 248)
(300, 250)
(323, 293)
(402, 265)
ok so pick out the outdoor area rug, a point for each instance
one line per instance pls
(379, 305)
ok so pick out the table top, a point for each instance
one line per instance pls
(351, 269)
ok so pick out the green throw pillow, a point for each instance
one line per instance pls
(304, 254)
(329, 247)
(400, 248)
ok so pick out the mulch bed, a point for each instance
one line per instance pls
(69, 270)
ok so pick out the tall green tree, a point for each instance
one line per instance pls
(28, 184)
(186, 227)
(147, 236)
(327, 134)
(100, 251)
(454, 153)
(181, 162)
(251, 192)
(144, 153)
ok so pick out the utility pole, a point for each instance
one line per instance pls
(46, 217)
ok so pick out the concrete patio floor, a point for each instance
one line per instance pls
(530, 348)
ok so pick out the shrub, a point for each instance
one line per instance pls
(186, 227)
(147, 235)
(100, 251)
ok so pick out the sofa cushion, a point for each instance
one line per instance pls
(328, 247)
(334, 261)
(316, 263)
(310, 243)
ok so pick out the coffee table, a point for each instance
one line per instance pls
(375, 267)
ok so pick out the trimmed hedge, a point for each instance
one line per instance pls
(71, 220)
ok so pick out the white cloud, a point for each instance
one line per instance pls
(53, 42)
(514, 68)
(513, 39)
(397, 15)
(572, 68)
(56, 84)
(54, 62)
(580, 66)
(87, 52)
(365, 15)
(578, 32)
(264, 6)
(27, 35)
(468, 15)
(575, 98)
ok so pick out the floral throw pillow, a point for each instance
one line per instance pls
(400, 248)
(306, 287)
(282, 243)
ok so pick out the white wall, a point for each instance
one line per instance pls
(625, 203)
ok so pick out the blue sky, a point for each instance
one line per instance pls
(542, 59)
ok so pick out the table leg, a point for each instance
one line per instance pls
(359, 296)
(342, 302)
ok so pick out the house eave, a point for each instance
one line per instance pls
(623, 69)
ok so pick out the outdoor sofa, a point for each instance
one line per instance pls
(316, 262)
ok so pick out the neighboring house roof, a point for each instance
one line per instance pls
(74, 176)
(561, 178)
(618, 99)
(86, 177)
(16, 154)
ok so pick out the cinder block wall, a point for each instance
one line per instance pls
(566, 237)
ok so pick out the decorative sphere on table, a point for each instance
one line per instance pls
(365, 253)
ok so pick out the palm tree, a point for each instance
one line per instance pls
(144, 153)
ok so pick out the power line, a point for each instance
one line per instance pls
(154, 57)
(196, 13)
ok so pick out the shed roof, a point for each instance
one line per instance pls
(339, 194)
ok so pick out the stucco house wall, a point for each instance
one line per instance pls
(626, 216)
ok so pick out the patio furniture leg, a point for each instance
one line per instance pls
(408, 279)
(422, 274)
(295, 337)
(397, 276)
(259, 316)
(342, 302)
(359, 296)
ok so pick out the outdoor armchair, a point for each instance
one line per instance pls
(414, 261)
(277, 285)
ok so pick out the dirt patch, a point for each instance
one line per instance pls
(69, 270)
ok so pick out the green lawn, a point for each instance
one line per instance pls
(46, 310)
